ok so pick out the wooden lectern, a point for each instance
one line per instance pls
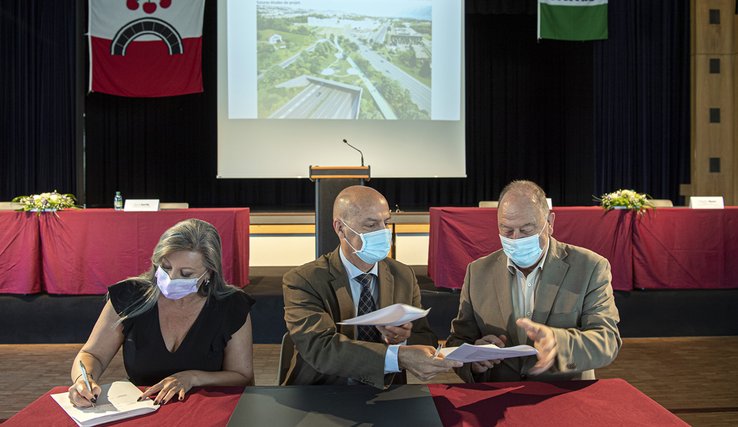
(329, 181)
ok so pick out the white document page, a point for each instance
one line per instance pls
(117, 401)
(477, 353)
(393, 315)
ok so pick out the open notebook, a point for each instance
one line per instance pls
(117, 401)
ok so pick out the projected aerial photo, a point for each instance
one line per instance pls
(339, 59)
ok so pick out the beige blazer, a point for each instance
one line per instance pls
(317, 295)
(574, 297)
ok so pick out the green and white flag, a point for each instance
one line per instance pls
(572, 19)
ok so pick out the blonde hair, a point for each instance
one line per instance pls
(189, 235)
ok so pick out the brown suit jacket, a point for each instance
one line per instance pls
(574, 297)
(317, 295)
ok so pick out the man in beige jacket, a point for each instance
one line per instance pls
(536, 290)
(329, 290)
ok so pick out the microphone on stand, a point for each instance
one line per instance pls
(362, 154)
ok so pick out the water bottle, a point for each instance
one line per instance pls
(118, 201)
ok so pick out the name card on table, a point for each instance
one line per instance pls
(141, 205)
(703, 202)
(550, 203)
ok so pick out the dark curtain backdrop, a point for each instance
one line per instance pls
(641, 108)
(37, 97)
(534, 110)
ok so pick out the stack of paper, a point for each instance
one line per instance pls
(393, 315)
(477, 353)
(117, 401)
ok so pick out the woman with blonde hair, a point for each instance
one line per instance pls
(180, 324)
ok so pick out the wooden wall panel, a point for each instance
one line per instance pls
(709, 91)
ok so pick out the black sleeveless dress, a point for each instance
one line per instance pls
(145, 355)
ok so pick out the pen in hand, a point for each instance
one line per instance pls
(86, 379)
(438, 350)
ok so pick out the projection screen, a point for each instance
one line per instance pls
(297, 77)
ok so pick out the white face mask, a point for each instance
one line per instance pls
(175, 288)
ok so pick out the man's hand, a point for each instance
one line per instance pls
(544, 341)
(481, 367)
(419, 360)
(396, 334)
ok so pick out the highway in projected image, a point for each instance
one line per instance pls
(420, 93)
(316, 60)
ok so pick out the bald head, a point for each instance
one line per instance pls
(524, 194)
(355, 200)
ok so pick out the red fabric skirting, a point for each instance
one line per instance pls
(84, 251)
(665, 248)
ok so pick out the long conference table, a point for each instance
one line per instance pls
(600, 402)
(664, 248)
(82, 252)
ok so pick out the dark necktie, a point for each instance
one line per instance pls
(366, 305)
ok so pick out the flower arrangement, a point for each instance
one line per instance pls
(625, 199)
(48, 202)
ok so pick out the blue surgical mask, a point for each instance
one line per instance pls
(175, 288)
(374, 245)
(524, 252)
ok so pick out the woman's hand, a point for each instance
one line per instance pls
(175, 385)
(81, 396)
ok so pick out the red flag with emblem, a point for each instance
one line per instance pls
(146, 48)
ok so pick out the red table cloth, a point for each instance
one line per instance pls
(85, 251)
(20, 253)
(686, 249)
(572, 403)
(208, 406)
(611, 402)
(458, 236)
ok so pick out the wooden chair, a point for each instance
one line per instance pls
(286, 352)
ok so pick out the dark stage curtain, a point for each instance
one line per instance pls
(528, 108)
(641, 86)
(579, 118)
(37, 97)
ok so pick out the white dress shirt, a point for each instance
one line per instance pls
(391, 363)
(524, 292)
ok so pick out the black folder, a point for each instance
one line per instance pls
(330, 405)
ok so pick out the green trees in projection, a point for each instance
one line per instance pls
(283, 24)
(425, 69)
(270, 97)
(397, 96)
(294, 36)
(369, 109)
(408, 58)
(313, 62)
(400, 100)
(363, 64)
(347, 44)
(422, 27)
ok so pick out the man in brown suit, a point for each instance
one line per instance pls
(536, 290)
(356, 277)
